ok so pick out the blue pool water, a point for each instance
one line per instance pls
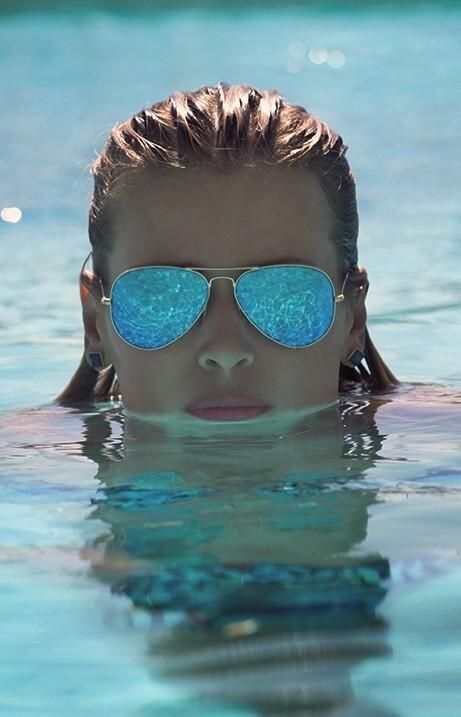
(179, 577)
(150, 576)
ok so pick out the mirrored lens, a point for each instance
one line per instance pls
(294, 305)
(154, 306)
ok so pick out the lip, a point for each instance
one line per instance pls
(227, 408)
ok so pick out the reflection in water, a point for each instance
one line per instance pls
(246, 554)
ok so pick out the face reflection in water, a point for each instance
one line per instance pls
(202, 219)
(249, 561)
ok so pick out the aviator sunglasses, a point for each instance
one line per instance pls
(151, 307)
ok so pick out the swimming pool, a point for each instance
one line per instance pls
(234, 578)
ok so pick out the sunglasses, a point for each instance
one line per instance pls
(152, 307)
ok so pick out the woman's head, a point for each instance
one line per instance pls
(220, 178)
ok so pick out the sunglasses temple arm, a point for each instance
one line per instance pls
(104, 299)
(340, 297)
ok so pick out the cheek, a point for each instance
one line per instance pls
(146, 378)
(130, 364)
(339, 332)
(108, 336)
(139, 367)
(322, 360)
(329, 349)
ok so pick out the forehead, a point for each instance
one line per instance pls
(207, 218)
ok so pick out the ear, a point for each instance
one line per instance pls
(356, 336)
(90, 308)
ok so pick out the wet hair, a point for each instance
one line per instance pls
(223, 128)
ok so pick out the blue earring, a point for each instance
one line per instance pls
(356, 357)
(96, 361)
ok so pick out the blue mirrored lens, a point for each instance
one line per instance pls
(294, 305)
(154, 306)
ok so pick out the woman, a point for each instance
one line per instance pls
(237, 185)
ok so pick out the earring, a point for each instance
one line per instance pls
(95, 359)
(356, 357)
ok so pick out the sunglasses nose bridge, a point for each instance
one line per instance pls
(210, 281)
(210, 293)
(222, 276)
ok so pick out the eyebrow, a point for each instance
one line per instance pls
(191, 265)
(273, 262)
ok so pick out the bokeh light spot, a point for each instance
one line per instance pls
(293, 65)
(336, 59)
(318, 55)
(297, 49)
(11, 214)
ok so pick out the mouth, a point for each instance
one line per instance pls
(227, 408)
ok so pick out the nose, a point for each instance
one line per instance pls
(225, 343)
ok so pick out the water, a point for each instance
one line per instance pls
(150, 575)
(276, 576)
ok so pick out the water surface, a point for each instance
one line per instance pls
(160, 575)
